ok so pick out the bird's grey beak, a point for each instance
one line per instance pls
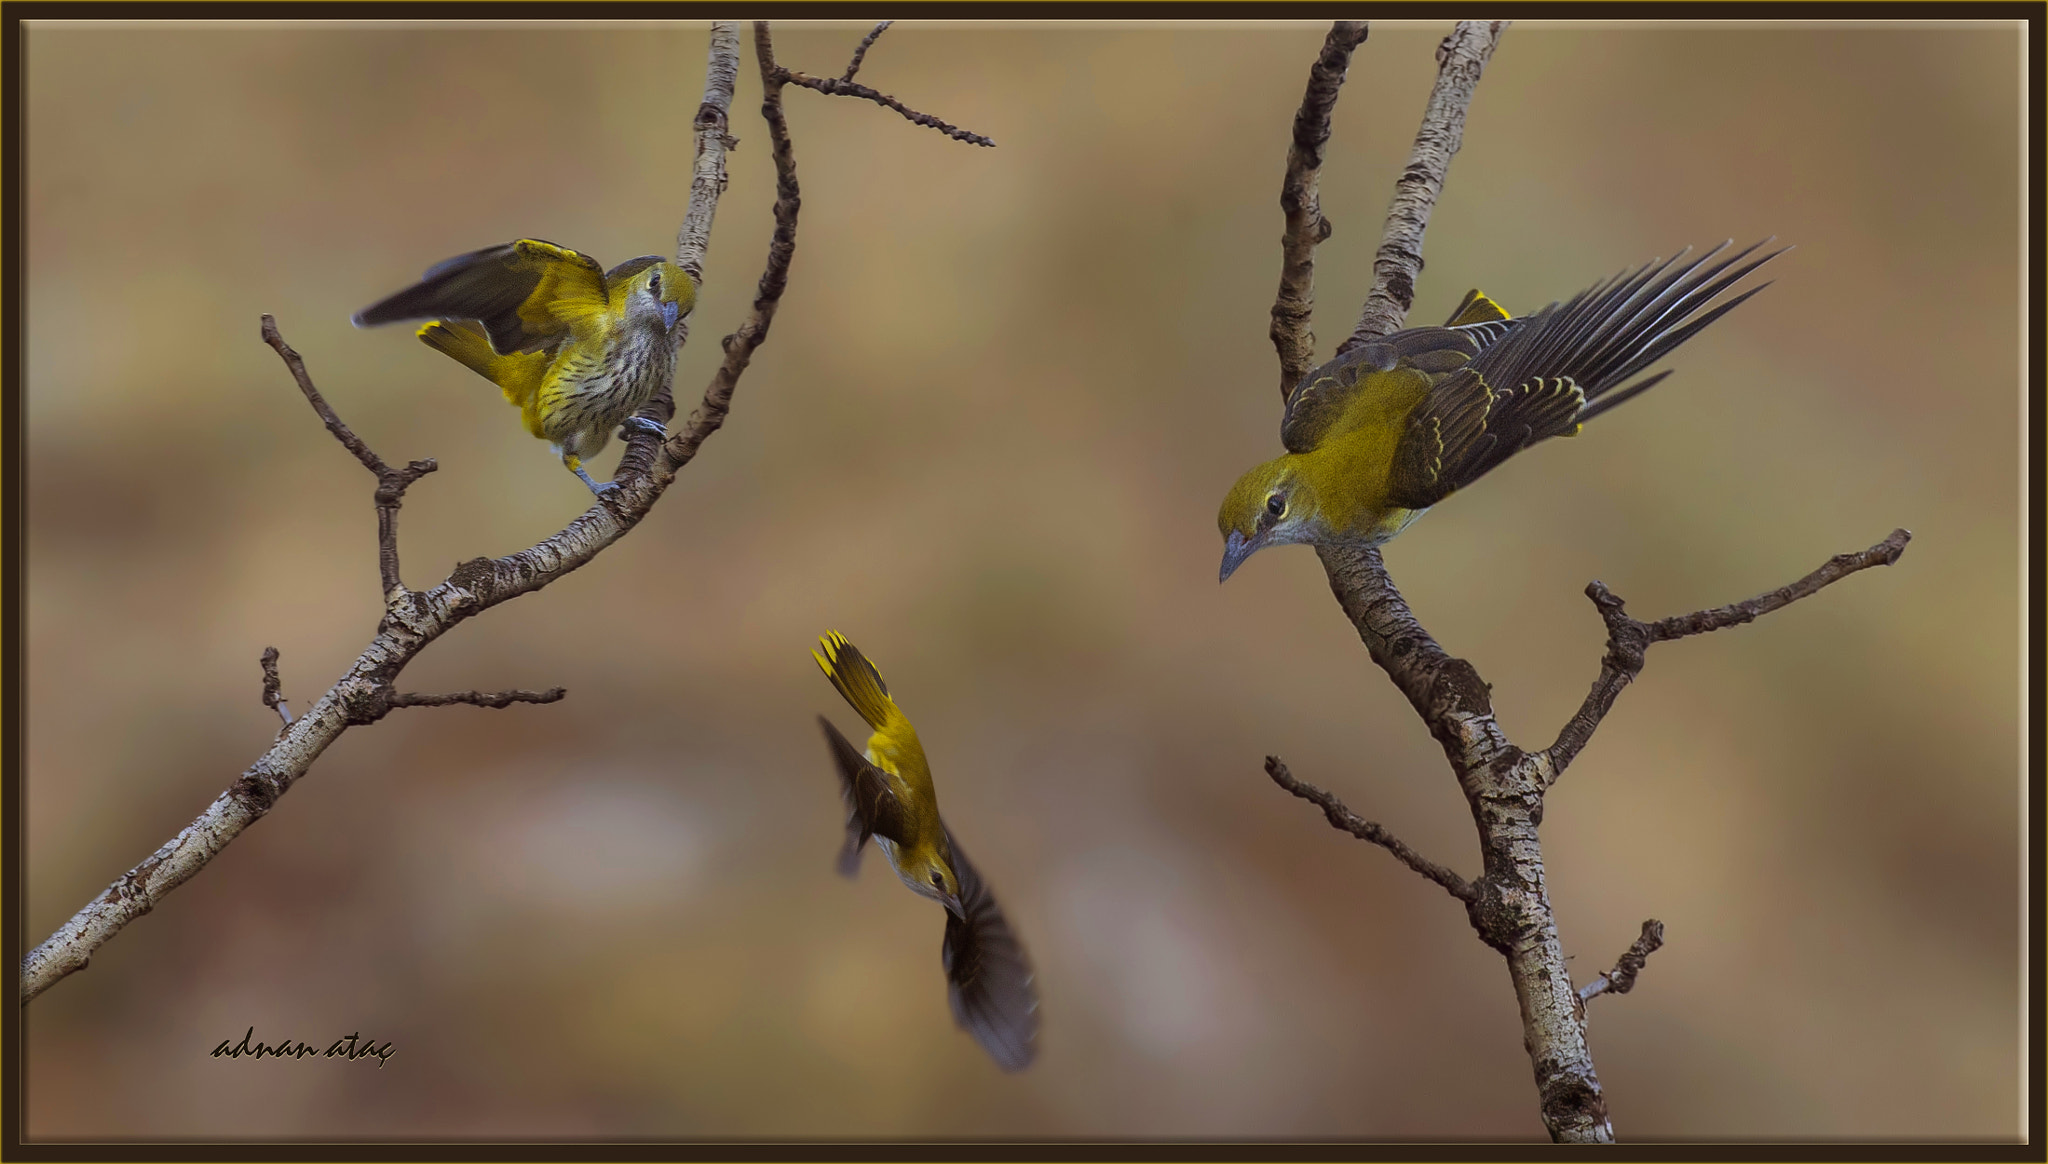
(1236, 548)
(952, 903)
(670, 312)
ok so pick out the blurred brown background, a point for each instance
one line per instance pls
(986, 439)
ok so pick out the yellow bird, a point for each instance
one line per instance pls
(1390, 428)
(576, 348)
(889, 797)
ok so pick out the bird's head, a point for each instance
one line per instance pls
(1269, 506)
(657, 293)
(932, 875)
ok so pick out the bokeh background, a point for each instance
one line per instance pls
(986, 439)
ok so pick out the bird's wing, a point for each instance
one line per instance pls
(1556, 369)
(1324, 395)
(988, 978)
(527, 294)
(1465, 426)
(871, 805)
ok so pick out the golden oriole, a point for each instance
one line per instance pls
(889, 797)
(576, 348)
(1381, 433)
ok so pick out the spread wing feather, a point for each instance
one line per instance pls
(527, 294)
(872, 809)
(1562, 366)
(988, 977)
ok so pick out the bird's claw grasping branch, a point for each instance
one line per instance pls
(478, 698)
(1622, 978)
(1365, 830)
(1628, 639)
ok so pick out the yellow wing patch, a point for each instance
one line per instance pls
(569, 290)
(1476, 308)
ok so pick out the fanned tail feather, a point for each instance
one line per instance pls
(856, 679)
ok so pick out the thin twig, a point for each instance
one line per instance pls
(860, 53)
(479, 698)
(1366, 830)
(1461, 58)
(272, 686)
(391, 483)
(1622, 978)
(1628, 640)
(839, 88)
(1306, 227)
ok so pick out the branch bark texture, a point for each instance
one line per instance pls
(1300, 201)
(1461, 58)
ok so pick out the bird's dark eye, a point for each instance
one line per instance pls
(938, 882)
(1275, 504)
(654, 284)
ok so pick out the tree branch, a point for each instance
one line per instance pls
(391, 483)
(1299, 201)
(860, 53)
(1461, 58)
(1628, 640)
(1622, 978)
(842, 88)
(1366, 830)
(273, 697)
(478, 698)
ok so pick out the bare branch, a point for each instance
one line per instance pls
(272, 698)
(479, 698)
(1461, 58)
(1622, 978)
(1366, 830)
(391, 483)
(1628, 639)
(860, 53)
(839, 88)
(1306, 227)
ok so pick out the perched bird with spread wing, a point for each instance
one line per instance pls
(577, 349)
(1381, 433)
(889, 797)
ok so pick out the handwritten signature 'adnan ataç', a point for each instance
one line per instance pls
(350, 1046)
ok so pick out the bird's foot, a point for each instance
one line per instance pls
(603, 489)
(633, 424)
